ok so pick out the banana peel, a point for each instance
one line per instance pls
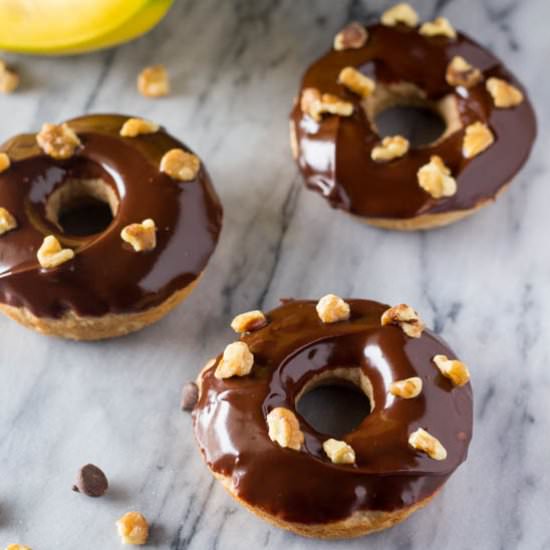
(62, 27)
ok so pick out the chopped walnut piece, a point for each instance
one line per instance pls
(456, 371)
(5, 162)
(351, 37)
(134, 127)
(154, 81)
(9, 79)
(477, 138)
(504, 95)
(248, 322)
(408, 388)
(461, 73)
(332, 308)
(17, 547)
(59, 141)
(310, 103)
(284, 428)
(142, 236)
(356, 81)
(237, 360)
(314, 104)
(435, 178)
(391, 147)
(440, 26)
(180, 165)
(335, 106)
(7, 221)
(406, 318)
(400, 13)
(133, 528)
(51, 254)
(339, 452)
(422, 441)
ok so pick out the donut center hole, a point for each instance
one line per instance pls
(82, 207)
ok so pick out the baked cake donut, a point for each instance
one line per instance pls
(144, 220)
(490, 123)
(274, 463)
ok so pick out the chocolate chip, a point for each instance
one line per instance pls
(189, 396)
(91, 481)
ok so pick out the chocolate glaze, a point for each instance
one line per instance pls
(231, 428)
(334, 156)
(106, 275)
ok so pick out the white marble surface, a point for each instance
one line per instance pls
(482, 283)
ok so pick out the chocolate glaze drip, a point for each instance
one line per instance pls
(231, 428)
(334, 156)
(106, 276)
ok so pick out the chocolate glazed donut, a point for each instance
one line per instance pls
(274, 463)
(490, 123)
(165, 225)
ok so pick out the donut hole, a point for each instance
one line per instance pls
(82, 207)
(335, 402)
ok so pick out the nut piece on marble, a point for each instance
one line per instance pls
(422, 441)
(435, 178)
(154, 81)
(189, 396)
(456, 371)
(400, 13)
(5, 162)
(91, 481)
(237, 360)
(134, 127)
(59, 141)
(408, 388)
(461, 73)
(339, 452)
(249, 321)
(17, 547)
(440, 26)
(284, 428)
(180, 165)
(133, 528)
(406, 318)
(7, 221)
(51, 254)
(477, 138)
(356, 81)
(351, 37)
(332, 308)
(9, 79)
(391, 147)
(141, 236)
(504, 95)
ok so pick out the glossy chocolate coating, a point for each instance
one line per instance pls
(231, 428)
(334, 156)
(106, 275)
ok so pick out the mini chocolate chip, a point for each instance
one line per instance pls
(189, 396)
(91, 481)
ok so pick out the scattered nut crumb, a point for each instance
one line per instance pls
(248, 322)
(408, 388)
(435, 178)
(456, 371)
(284, 428)
(356, 81)
(91, 481)
(5, 162)
(133, 528)
(406, 318)
(7, 221)
(339, 452)
(351, 37)
(422, 441)
(440, 26)
(461, 73)
(51, 254)
(391, 147)
(332, 308)
(9, 79)
(477, 138)
(237, 360)
(189, 396)
(154, 81)
(59, 141)
(134, 127)
(504, 95)
(400, 13)
(142, 236)
(180, 165)
(17, 547)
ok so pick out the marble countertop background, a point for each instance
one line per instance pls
(482, 283)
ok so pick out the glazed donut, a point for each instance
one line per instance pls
(490, 123)
(162, 224)
(275, 464)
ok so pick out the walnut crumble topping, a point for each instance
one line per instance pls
(51, 254)
(134, 127)
(409, 388)
(59, 141)
(422, 441)
(400, 13)
(180, 165)
(456, 371)
(284, 428)
(352, 36)
(356, 81)
(504, 95)
(461, 73)
(339, 452)
(440, 26)
(406, 318)
(315, 104)
(391, 147)
(7, 221)
(477, 138)
(248, 321)
(5, 162)
(435, 178)
(332, 308)
(237, 360)
(142, 236)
